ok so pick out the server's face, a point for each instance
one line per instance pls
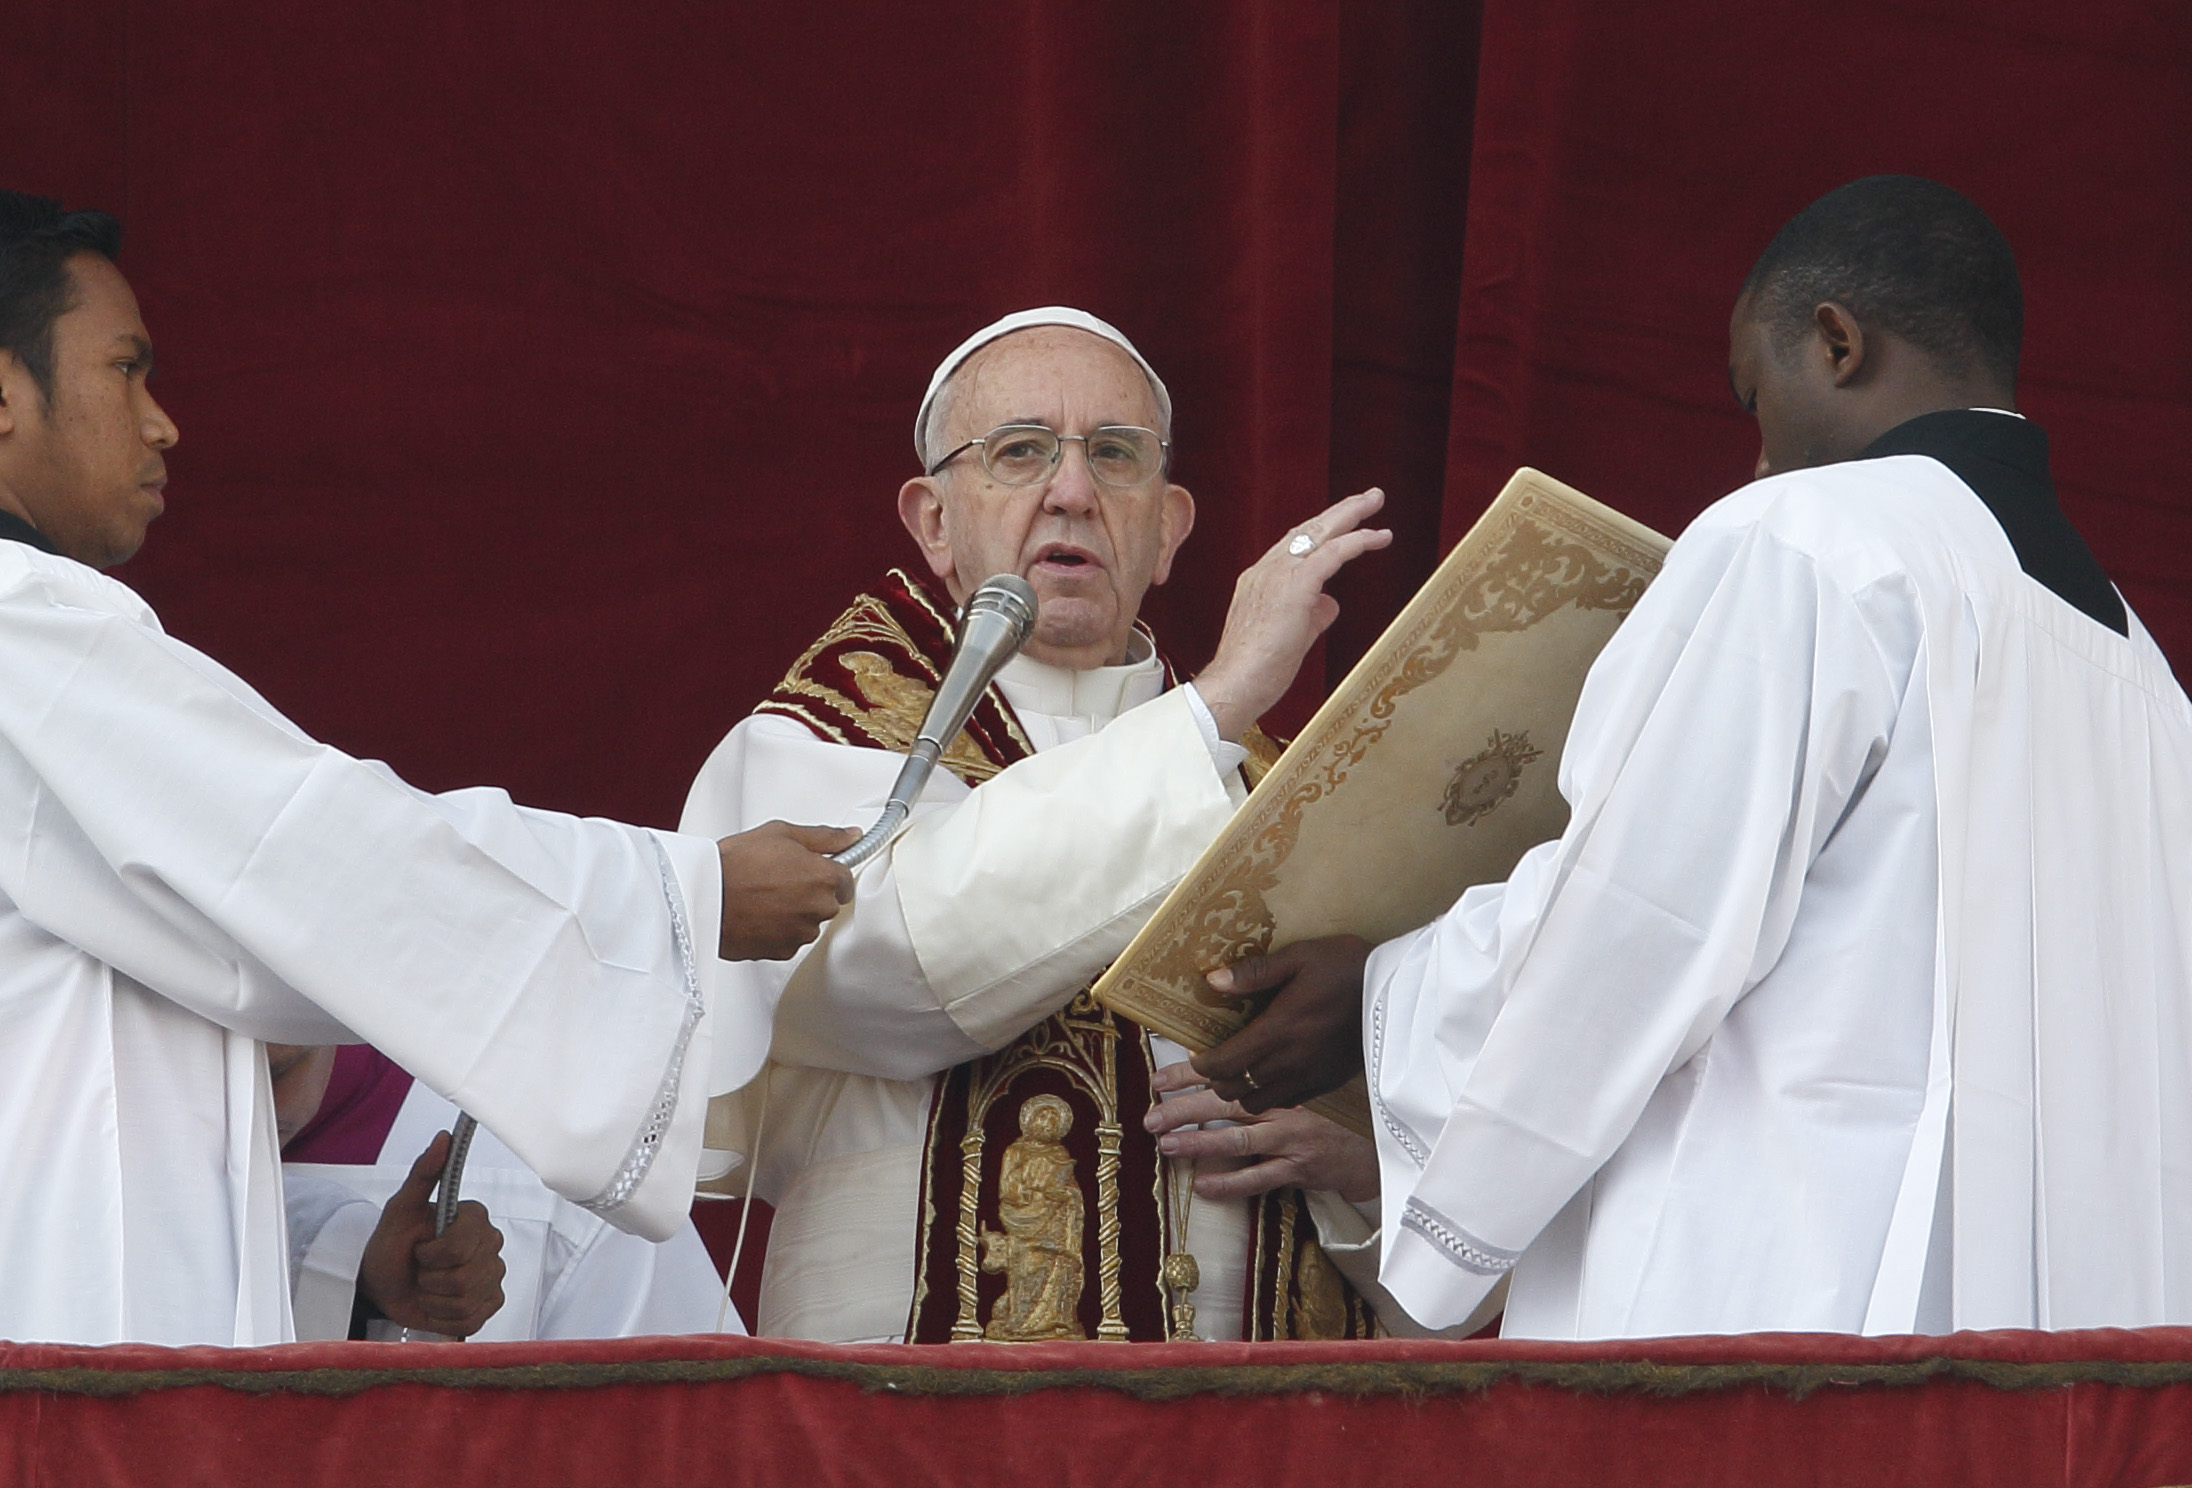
(300, 1073)
(86, 467)
(1091, 549)
(1796, 392)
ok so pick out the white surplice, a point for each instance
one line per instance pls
(1857, 995)
(993, 908)
(184, 873)
(568, 1273)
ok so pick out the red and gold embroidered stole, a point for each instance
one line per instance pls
(1045, 1209)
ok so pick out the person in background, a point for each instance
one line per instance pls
(361, 1242)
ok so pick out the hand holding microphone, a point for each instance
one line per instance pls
(780, 888)
(995, 623)
(782, 883)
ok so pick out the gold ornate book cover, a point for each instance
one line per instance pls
(1431, 768)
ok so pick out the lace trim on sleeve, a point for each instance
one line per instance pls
(633, 1170)
(1455, 1243)
(1417, 1152)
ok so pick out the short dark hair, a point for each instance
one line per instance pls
(37, 239)
(1908, 255)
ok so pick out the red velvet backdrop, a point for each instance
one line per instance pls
(546, 383)
(545, 375)
(1632, 160)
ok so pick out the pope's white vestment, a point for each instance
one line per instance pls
(1857, 995)
(991, 909)
(568, 1273)
(184, 873)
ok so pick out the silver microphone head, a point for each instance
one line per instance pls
(996, 622)
(1007, 595)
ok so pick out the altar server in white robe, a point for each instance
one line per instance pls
(416, 1275)
(184, 873)
(1857, 995)
(997, 904)
(565, 1272)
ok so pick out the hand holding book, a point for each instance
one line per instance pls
(1432, 767)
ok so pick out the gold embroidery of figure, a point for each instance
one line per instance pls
(1039, 1202)
(899, 698)
(1320, 1304)
(898, 704)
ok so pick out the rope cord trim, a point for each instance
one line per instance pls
(1155, 1384)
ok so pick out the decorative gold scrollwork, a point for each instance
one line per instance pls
(1542, 562)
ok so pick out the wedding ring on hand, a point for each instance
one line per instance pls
(1301, 545)
(1250, 1076)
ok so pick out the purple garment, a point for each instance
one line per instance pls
(363, 1096)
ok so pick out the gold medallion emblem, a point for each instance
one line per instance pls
(1488, 777)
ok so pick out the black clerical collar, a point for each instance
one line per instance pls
(2003, 458)
(15, 529)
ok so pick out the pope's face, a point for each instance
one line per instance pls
(85, 467)
(1090, 550)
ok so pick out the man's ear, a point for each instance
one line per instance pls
(921, 508)
(14, 377)
(1842, 341)
(1175, 520)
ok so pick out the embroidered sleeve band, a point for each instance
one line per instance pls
(633, 1170)
(1455, 1243)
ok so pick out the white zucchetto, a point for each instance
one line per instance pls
(1022, 320)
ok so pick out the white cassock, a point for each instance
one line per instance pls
(990, 910)
(1857, 995)
(568, 1272)
(184, 873)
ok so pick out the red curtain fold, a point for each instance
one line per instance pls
(1407, 98)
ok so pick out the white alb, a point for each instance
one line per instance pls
(1857, 995)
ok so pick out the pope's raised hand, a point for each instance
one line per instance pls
(780, 888)
(1280, 608)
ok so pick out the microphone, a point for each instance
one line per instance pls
(995, 624)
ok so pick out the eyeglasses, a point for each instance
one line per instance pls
(1028, 454)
